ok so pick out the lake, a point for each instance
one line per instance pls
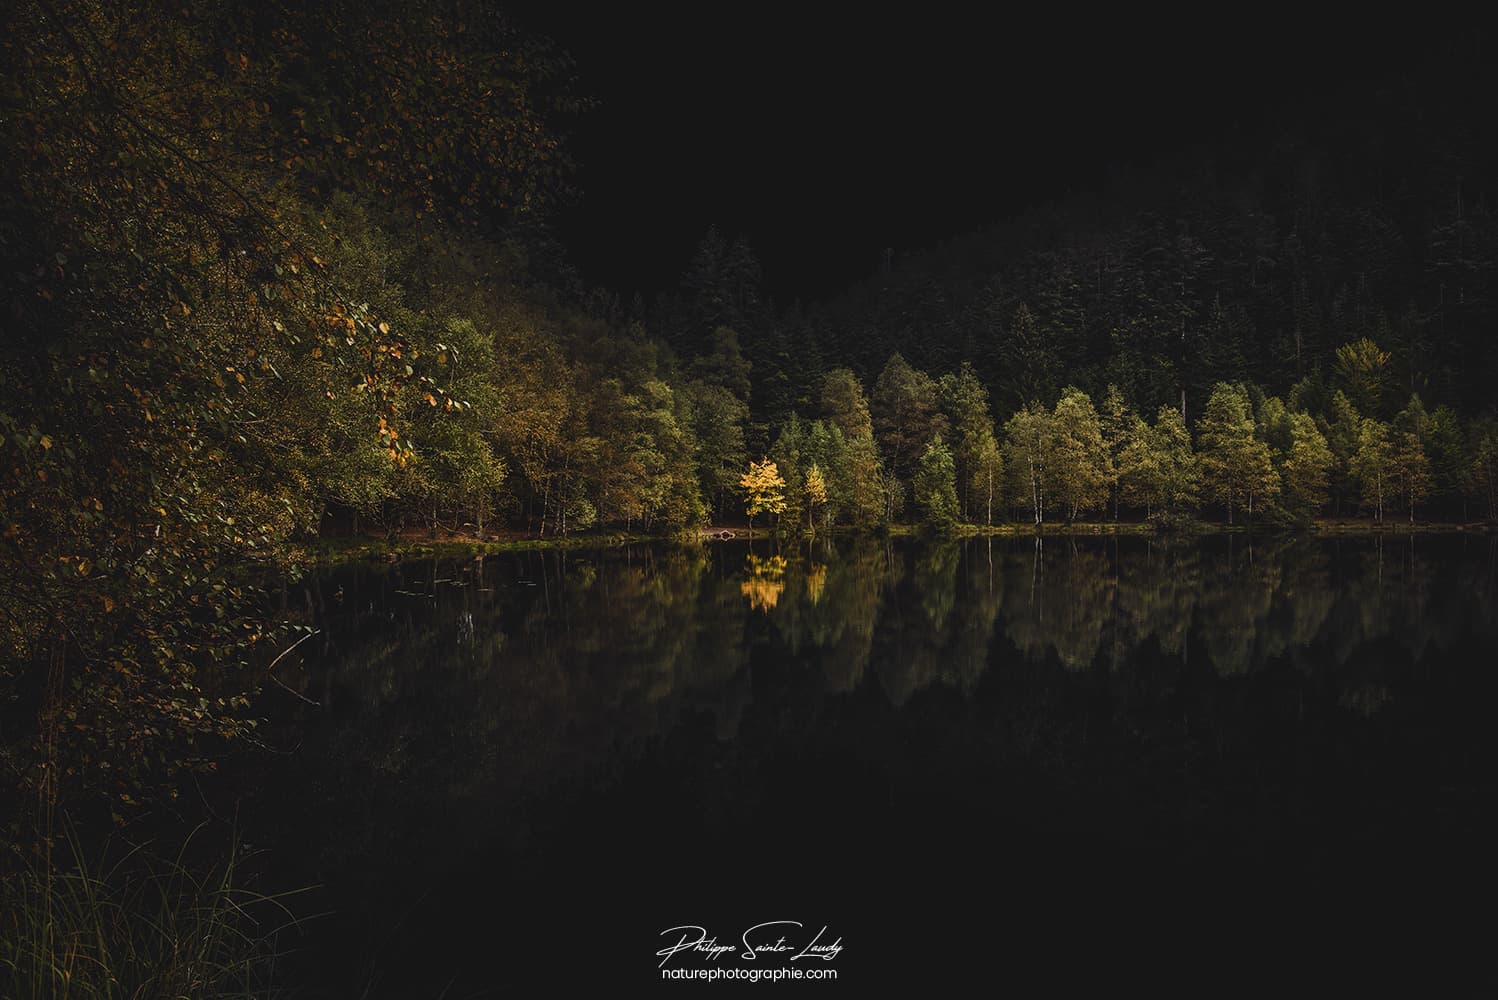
(1212, 765)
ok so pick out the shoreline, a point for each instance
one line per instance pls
(327, 552)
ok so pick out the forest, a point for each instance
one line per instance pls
(281, 272)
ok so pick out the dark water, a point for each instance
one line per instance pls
(1208, 766)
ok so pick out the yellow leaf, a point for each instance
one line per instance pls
(46, 442)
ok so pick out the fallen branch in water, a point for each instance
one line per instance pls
(270, 671)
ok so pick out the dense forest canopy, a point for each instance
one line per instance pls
(285, 271)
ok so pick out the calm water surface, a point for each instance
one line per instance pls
(1205, 765)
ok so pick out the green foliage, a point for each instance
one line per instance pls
(1343, 431)
(816, 493)
(935, 485)
(1179, 465)
(716, 418)
(1372, 465)
(791, 459)
(1079, 468)
(1450, 460)
(862, 483)
(1236, 466)
(723, 365)
(1137, 466)
(1411, 470)
(844, 405)
(1028, 445)
(906, 414)
(1118, 421)
(1306, 466)
(985, 487)
(964, 402)
(1362, 372)
(1156, 467)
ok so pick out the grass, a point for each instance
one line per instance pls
(139, 928)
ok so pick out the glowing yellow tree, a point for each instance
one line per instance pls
(764, 490)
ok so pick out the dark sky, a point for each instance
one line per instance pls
(824, 140)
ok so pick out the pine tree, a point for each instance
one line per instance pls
(907, 417)
(1362, 371)
(844, 404)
